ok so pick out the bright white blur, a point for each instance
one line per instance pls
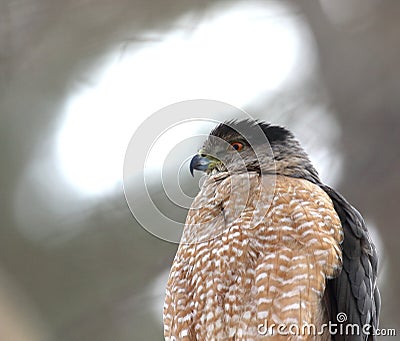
(235, 54)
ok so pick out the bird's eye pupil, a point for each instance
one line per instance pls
(237, 146)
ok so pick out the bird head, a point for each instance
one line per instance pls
(248, 145)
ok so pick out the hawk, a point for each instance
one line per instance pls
(268, 251)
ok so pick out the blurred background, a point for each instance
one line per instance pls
(78, 78)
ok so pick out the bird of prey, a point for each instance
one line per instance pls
(268, 251)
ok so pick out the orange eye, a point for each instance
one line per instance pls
(237, 146)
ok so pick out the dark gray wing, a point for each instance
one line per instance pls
(354, 292)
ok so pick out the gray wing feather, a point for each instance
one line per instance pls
(354, 292)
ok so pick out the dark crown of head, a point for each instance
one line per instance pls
(252, 131)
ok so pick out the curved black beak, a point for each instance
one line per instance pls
(199, 163)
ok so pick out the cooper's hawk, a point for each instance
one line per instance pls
(267, 245)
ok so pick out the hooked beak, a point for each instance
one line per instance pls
(200, 163)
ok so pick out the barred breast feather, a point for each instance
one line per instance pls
(256, 251)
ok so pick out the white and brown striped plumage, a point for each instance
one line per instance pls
(258, 247)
